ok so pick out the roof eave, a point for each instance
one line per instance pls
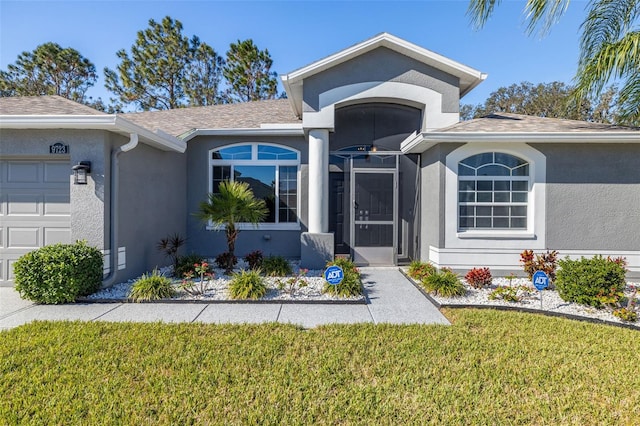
(271, 131)
(420, 142)
(113, 123)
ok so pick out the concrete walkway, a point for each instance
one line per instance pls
(391, 299)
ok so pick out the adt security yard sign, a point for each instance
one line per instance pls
(334, 275)
(540, 281)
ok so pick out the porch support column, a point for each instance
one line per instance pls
(316, 246)
(318, 181)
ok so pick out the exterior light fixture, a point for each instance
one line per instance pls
(80, 172)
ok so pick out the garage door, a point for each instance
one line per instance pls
(34, 209)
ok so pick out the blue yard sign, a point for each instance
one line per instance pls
(334, 275)
(540, 280)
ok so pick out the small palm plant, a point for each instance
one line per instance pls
(232, 204)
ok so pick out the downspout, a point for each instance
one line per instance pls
(113, 211)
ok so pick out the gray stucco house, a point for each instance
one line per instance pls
(366, 158)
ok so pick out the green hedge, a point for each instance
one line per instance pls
(586, 280)
(59, 273)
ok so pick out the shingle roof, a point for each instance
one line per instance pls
(245, 115)
(43, 105)
(516, 123)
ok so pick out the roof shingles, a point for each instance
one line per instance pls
(516, 123)
(247, 115)
(43, 105)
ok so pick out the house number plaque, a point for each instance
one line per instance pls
(58, 148)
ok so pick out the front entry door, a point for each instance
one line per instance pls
(373, 230)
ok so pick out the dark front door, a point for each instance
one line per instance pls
(373, 229)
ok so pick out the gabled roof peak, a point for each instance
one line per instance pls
(469, 77)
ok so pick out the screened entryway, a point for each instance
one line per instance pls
(373, 187)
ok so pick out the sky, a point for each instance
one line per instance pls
(297, 33)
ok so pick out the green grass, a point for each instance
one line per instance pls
(490, 367)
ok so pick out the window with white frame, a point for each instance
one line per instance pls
(493, 192)
(270, 170)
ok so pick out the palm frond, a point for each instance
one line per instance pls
(619, 59)
(479, 11)
(539, 14)
(607, 22)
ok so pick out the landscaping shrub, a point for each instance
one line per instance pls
(276, 266)
(193, 287)
(444, 283)
(479, 277)
(510, 294)
(185, 264)
(546, 262)
(254, 259)
(59, 273)
(170, 246)
(351, 284)
(586, 281)
(626, 314)
(247, 285)
(151, 287)
(291, 284)
(226, 261)
(420, 270)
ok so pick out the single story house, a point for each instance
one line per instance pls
(365, 158)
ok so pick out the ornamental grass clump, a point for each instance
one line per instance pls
(276, 266)
(58, 273)
(587, 281)
(152, 286)
(351, 284)
(247, 285)
(420, 270)
(444, 283)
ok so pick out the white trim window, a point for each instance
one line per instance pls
(495, 197)
(493, 189)
(271, 172)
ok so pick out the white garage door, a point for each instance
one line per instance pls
(34, 209)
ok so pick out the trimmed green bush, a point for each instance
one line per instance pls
(276, 266)
(444, 283)
(59, 273)
(351, 284)
(151, 287)
(185, 264)
(584, 281)
(247, 285)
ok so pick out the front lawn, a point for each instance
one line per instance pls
(489, 367)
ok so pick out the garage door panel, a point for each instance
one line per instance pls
(56, 235)
(9, 271)
(23, 172)
(56, 173)
(56, 205)
(34, 209)
(23, 204)
(19, 237)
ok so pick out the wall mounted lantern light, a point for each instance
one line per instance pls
(80, 172)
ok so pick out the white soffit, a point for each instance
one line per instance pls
(469, 77)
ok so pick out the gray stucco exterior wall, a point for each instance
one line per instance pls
(593, 196)
(153, 193)
(87, 202)
(383, 64)
(210, 242)
(433, 197)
